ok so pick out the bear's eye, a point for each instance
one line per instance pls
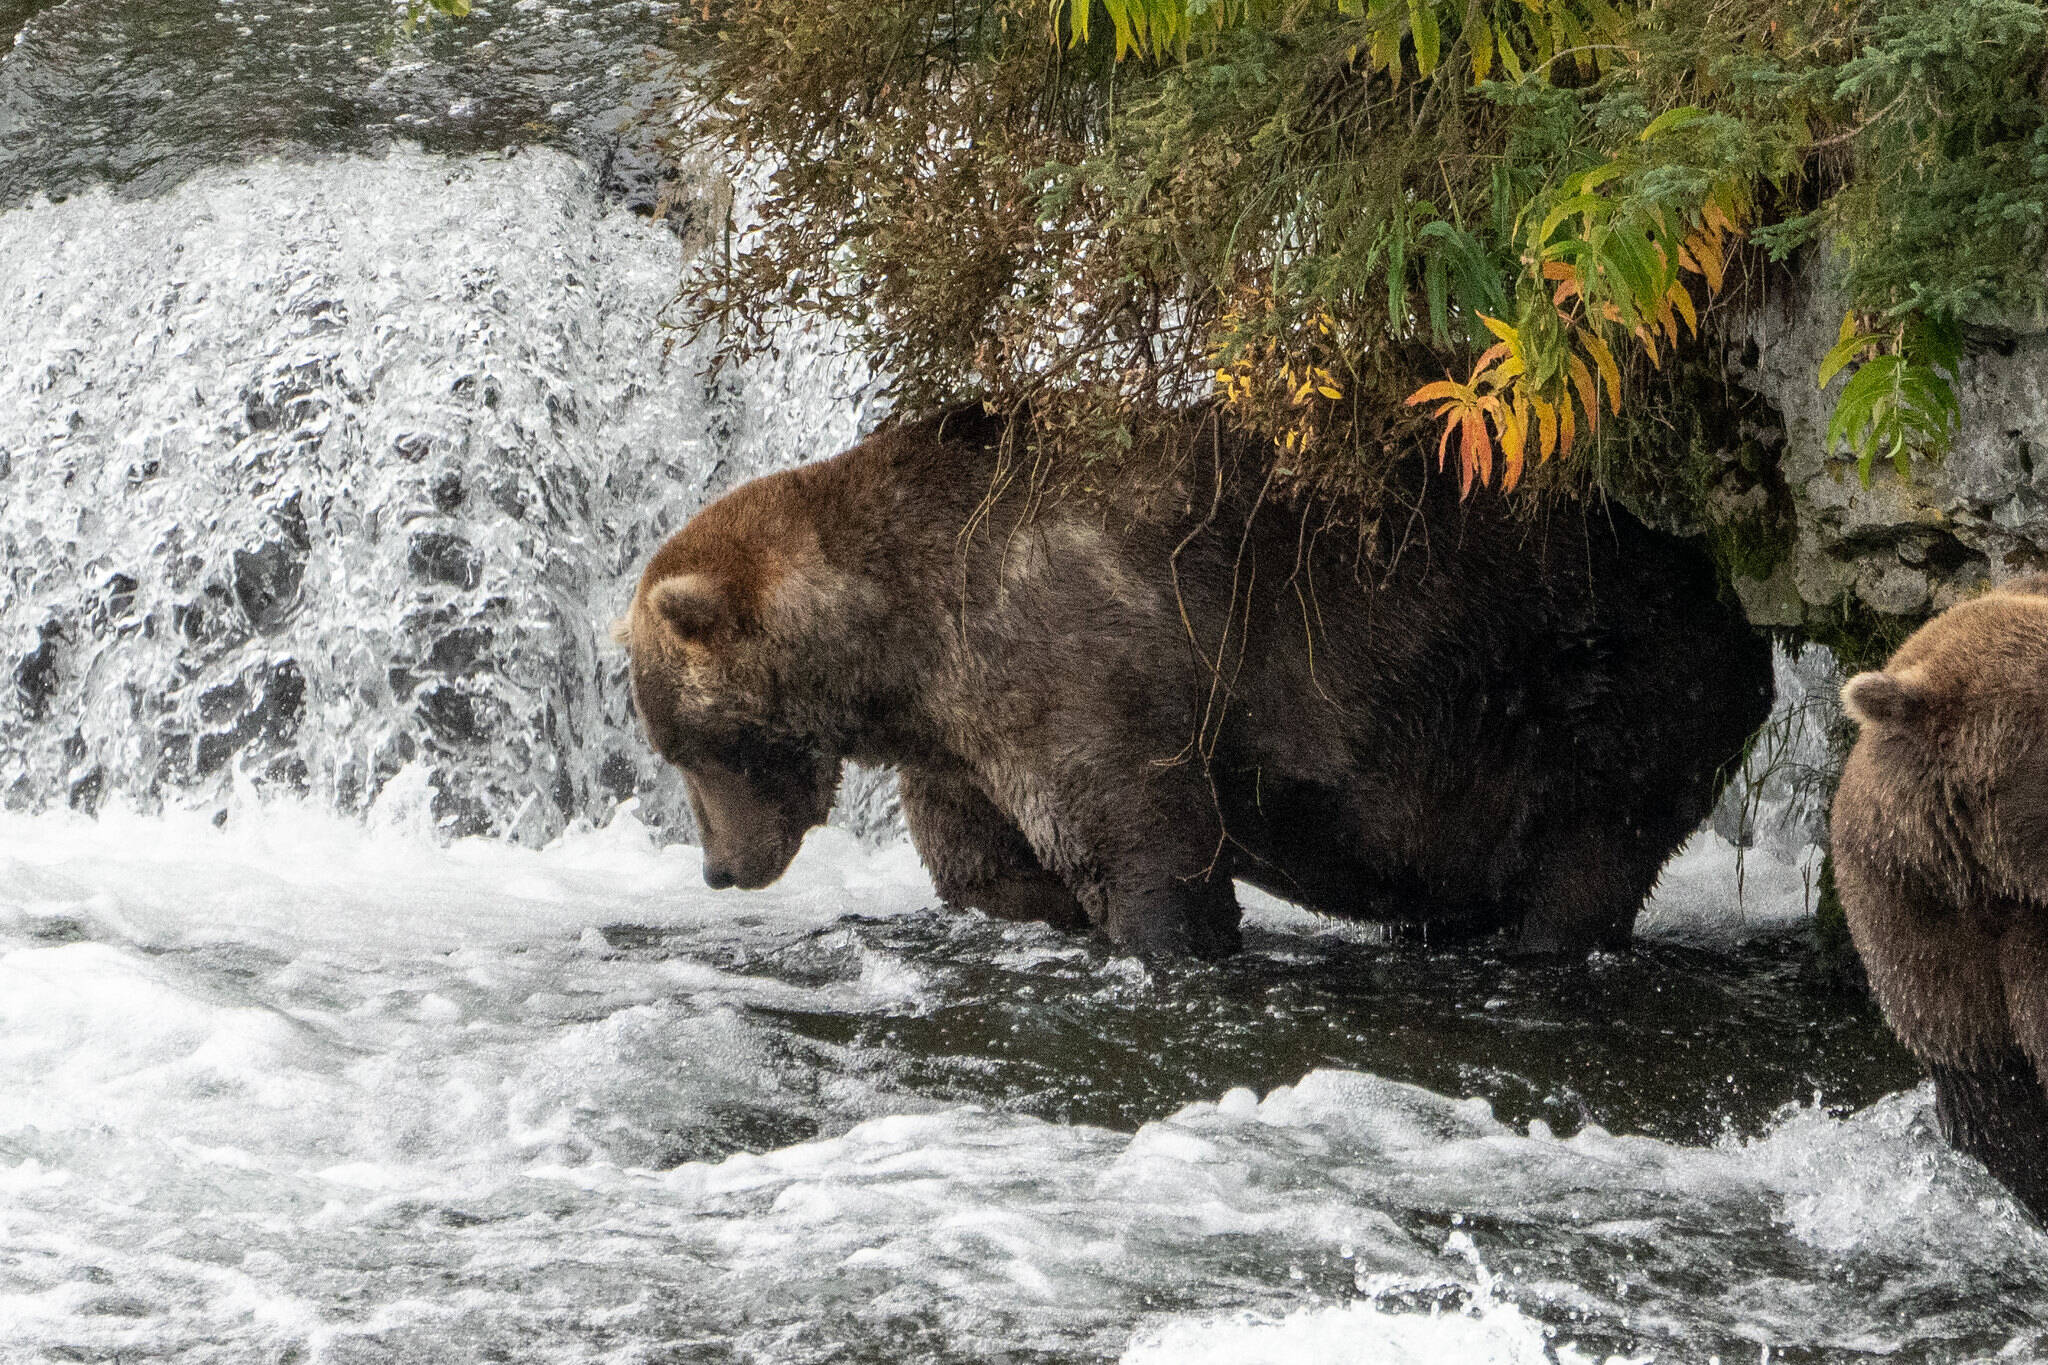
(761, 758)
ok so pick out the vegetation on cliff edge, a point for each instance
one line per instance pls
(1353, 220)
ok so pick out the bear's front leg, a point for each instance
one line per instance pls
(1144, 852)
(1995, 1111)
(976, 855)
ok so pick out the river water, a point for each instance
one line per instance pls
(359, 1003)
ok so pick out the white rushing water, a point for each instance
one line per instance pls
(312, 470)
(303, 1088)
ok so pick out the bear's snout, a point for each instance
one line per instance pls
(718, 876)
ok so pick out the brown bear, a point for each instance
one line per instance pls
(1941, 861)
(1103, 705)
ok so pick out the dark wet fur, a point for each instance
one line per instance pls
(1481, 715)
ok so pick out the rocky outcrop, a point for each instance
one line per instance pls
(1898, 548)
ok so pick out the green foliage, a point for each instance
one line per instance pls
(423, 11)
(1311, 207)
(1901, 398)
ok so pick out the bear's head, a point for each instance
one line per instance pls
(715, 633)
(1955, 732)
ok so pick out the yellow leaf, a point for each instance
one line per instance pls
(1682, 301)
(1706, 248)
(1508, 422)
(1501, 330)
(1546, 425)
(1479, 40)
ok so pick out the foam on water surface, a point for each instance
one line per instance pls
(300, 1084)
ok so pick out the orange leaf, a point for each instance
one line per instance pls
(1589, 396)
(1610, 373)
(1707, 250)
(1475, 451)
(1567, 427)
(1443, 388)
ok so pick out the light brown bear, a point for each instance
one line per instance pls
(1104, 705)
(1941, 859)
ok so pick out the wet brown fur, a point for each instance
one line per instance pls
(1105, 705)
(1941, 858)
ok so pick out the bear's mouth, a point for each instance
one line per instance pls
(749, 837)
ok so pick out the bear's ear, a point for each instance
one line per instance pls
(1874, 698)
(694, 606)
(622, 632)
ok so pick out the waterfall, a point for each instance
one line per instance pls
(314, 472)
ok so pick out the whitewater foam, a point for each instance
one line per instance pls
(296, 1082)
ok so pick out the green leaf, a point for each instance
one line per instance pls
(1428, 38)
(1841, 354)
(1590, 205)
(1436, 284)
(1671, 120)
(1397, 276)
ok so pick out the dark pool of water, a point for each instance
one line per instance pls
(1683, 1044)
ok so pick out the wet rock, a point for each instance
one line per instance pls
(460, 651)
(444, 557)
(451, 714)
(270, 720)
(217, 705)
(284, 702)
(1898, 547)
(35, 677)
(120, 592)
(617, 776)
(267, 581)
(216, 749)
